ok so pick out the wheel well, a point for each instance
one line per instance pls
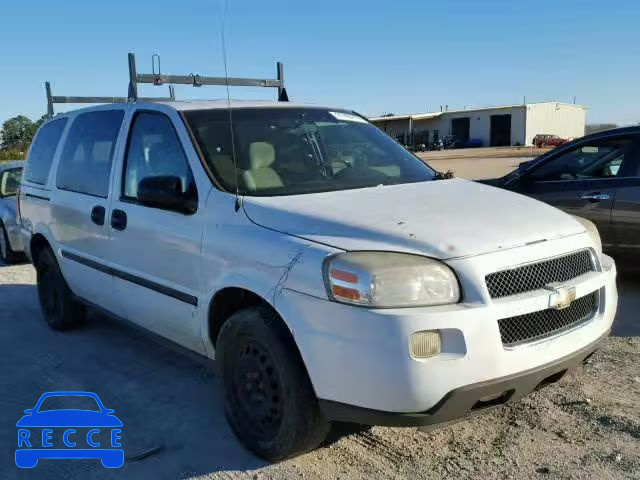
(38, 242)
(228, 301)
(231, 300)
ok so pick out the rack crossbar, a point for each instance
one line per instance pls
(158, 78)
(197, 80)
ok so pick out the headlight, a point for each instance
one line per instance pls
(593, 231)
(385, 279)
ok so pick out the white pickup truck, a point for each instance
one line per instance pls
(331, 274)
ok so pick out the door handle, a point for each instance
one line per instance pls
(118, 219)
(596, 196)
(97, 215)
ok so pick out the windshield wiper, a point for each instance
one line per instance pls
(310, 131)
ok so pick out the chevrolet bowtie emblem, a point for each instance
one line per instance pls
(561, 297)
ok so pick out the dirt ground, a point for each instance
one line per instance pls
(487, 152)
(477, 163)
(586, 426)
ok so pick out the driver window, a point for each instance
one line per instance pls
(154, 150)
(600, 159)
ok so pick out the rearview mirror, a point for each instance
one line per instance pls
(165, 192)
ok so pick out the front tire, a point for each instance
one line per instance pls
(269, 401)
(59, 308)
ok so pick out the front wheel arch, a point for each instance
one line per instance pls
(231, 300)
(38, 243)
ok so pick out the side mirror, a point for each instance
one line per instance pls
(29, 411)
(524, 165)
(9, 185)
(3, 181)
(165, 192)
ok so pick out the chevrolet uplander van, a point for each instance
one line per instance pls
(332, 275)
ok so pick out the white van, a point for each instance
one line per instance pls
(332, 274)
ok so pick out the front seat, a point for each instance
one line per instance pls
(260, 174)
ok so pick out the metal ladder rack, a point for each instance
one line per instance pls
(158, 78)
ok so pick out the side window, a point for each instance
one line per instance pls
(598, 159)
(10, 182)
(42, 151)
(155, 157)
(87, 156)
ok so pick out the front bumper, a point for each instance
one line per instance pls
(468, 400)
(360, 356)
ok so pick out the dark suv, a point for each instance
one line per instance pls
(596, 177)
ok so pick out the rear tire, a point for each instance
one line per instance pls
(59, 308)
(268, 397)
(7, 255)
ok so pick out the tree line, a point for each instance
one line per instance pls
(16, 136)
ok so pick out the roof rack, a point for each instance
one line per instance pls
(156, 77)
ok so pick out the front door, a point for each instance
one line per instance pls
(158, 270)
(583, 180)
(626, 209)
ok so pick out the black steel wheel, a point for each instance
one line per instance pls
(268, 397)
(256, 389)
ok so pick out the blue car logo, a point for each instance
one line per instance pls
(52, 430)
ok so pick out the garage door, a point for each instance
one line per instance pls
(460, 128)
(500, 130)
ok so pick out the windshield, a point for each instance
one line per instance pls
(10, 182)
(287, 151)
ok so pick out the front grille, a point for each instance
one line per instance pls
(545, 323)
(537, 275)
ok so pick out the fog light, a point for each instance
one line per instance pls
(425, 344)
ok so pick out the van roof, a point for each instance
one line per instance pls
(184, 105)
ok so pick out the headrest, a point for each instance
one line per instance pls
(261, 155)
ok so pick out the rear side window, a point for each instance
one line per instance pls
(87, 156)
(42, 151)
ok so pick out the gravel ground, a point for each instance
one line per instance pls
(476, 163)
(586, 426)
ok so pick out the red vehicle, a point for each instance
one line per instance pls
(544, 140)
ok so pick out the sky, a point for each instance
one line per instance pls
(372, 56)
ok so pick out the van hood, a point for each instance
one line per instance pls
(442, 219)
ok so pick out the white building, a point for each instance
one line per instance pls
(493, 126)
